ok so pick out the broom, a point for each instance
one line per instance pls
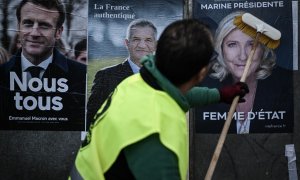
(263, 33)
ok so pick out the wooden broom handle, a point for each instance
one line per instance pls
(234, 103)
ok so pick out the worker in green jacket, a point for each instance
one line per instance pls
(140, 132)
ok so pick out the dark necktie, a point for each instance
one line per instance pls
(34, 71)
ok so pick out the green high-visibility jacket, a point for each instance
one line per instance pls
(120, 124)
(123, 121)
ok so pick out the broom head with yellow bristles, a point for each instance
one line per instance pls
(251, 25)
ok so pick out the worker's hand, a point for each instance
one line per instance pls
(228, 93)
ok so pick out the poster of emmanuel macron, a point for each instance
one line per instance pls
(41, 87)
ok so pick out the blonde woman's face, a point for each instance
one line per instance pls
(236, 48)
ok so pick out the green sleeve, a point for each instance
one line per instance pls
(149, 159)
(201, 96)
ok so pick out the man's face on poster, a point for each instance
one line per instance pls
(141, 42)
(38, 31)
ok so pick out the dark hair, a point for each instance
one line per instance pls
(183, 49)
(49, 4)
(79, 47)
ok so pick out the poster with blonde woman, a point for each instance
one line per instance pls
(269, 104)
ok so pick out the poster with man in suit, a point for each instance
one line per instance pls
(42, 87)
(120, 34)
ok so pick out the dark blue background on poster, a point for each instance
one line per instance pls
(280, 18)
(272, 96)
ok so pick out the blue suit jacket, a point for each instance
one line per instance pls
(59, 104)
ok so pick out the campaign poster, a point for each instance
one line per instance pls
(42, 83)
(111, 45)
(269, 106)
